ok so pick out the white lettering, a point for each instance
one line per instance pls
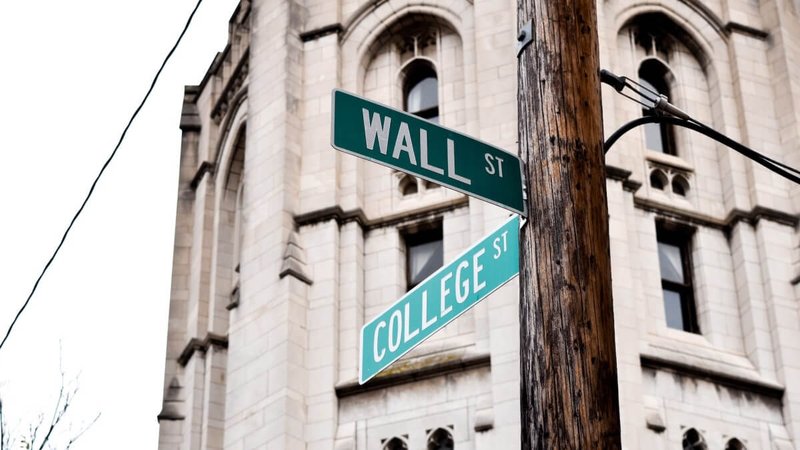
(375, 129)
(476, 269)
(377, 357)
(395, 331)
(451, 164)
(425, 322)
(403, 144)
(489, 166)
(423, 153)
(444, 310)
(496, 245)
(460, 297)
(406, 335)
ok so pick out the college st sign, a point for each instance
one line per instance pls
(442, 297)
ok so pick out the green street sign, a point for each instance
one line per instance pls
(417, 146)
(442, 297)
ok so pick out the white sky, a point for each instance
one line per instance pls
(72, 74)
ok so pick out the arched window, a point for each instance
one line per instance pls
(440, 439)
(233, 201)
(657, 137)
(658, 179)
(693, 440)
(421, 90)
(680, 185)
(395, 443)
(735, 444)
(408, 185)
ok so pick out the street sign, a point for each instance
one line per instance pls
(420, 147)
(442, 297)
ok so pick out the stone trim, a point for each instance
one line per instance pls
(234, 302)
(751, 217)
(205, 167)
(316, 33)
(331, 213)
(760, 212)
(359, 14)
(622, 175)
(706, 13)
(419, 373)
(735, 27)
(201, 345)
(229, 93)
(213, 67)
(190, 116)
(357, 215)
(721, 378)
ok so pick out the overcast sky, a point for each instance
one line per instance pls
(72, 74)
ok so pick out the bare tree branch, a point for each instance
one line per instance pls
(80, 433)
(55, 437)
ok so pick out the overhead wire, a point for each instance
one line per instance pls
(665, 112)
(100, 173)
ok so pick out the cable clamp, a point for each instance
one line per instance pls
(524, 38)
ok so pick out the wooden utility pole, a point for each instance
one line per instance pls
(568, 391)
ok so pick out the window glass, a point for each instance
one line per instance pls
(674, 241)
(424, 253)
(423, 260)
(423, 95)
(673, 309)
(671, 262)
(421, 90)
(658, 137)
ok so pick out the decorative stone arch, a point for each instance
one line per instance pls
(228, 185)
(370, 51)
(700, 25)
(703, 42)
(703, 32)
(440, 439)
(363, 30)
(229, 129)
(395, 443)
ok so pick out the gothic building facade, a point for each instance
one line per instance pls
(284, 247)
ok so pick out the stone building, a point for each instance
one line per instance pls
(284, 247)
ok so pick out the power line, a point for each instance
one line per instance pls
(669, 113)
(100, 173)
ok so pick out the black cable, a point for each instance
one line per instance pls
(775, 166)
(100, 173)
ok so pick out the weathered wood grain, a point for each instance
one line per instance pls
(568, 392)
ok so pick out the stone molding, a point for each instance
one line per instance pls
(735, 27)
(205, 167)
(751, 217)
(201, 345)
(622, 175)
(717, 377)
(357, 215)
(415, 372)
(316, 33)
(231, 91)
